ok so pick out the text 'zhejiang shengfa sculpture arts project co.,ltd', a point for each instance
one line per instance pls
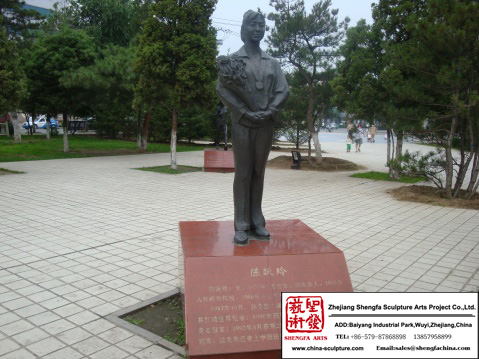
(253, 87)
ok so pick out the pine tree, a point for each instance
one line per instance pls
(308, 42)
(176, 59)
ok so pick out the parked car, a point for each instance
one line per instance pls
(28, 123)
(41, 122)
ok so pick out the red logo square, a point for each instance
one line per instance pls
(304, 314)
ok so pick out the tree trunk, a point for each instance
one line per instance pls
(474, 176)
(317, 147)
(463, 166)
(297, 137)
(388, 147)
(34, 117)
(395, 163)
(48, 127)
(393, 172)
(31, 126)
(138, 128)
(311, 129)
(474, 190)
(449, 163)
(174, 120)
(7, 124)
(65, 133)
(17, 134)
(144, 136)
(399, 144)
(474, 151)
(309, 149)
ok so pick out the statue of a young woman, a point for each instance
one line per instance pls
(253, 87)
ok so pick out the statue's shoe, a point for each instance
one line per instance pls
(262, 232)
(241, 238)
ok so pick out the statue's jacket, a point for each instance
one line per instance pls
(240, 92)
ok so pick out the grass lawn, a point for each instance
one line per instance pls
(383, 176)
(167, 169)
(39, 148)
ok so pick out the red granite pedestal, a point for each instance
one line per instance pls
(232, 295)
(218, 160)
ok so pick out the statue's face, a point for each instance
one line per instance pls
(254, 29)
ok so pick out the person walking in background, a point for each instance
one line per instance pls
(358, 135)
(373, 131)
(350, 129)
(349, 142)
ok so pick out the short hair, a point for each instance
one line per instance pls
(248, 15)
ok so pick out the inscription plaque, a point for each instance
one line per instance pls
(218, 161)
(232, 295)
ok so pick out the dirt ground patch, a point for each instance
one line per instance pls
(163, 318)
(432, 196)
(303, 151)
(328, 164)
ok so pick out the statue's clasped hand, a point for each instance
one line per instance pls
(257, 119)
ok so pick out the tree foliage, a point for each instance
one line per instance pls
(106, 88)
(176, 58)
(106, 21)
(292, 122)
(12, 83)
(437, 69)
(358, 88)
(308, 43)
(51, 58)
(18, 21)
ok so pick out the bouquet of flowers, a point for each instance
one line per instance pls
(232, 76)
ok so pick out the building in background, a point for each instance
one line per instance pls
(41, 6)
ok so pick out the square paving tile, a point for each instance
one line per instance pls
(115, 335)
(31, 336)
(109, 353)
(134, 344)
(90, 346)
(98, 326)
(7, 345)
(65, 353)
(16, 327)
(19, 354)
(74, 335)
(153, 352)
(58, 326)
(45, 346)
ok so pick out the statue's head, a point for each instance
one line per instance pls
(253, 27)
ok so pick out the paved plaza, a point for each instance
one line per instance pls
(83, 238)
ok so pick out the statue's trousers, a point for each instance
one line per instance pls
(251, 147)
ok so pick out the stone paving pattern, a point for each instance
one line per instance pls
(83, 238)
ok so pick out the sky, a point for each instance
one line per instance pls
(47, 4)
(229, 13)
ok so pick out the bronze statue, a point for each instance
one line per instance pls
(221, 124)
(253, 87)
